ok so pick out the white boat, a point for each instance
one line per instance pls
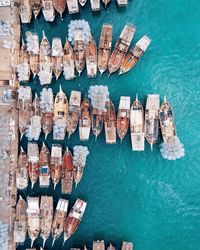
(68, 62)
(122, 3)
(48, 10)
(72, 6)
(57, 56)
(95, 5)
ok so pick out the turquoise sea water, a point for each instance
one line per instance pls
(139, 197)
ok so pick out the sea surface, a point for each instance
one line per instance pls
(138, 197)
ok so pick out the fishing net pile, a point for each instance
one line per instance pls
(80, 155)
(45, 73)
(57, 49)
(59, 129)
(5, 28)
(98, 94)
(24, 92)
(173, 149)
(23, 71)
(34, 129)
(3, 236)
(79, 25)
(46, 100)
(68, 70)
(32, 43)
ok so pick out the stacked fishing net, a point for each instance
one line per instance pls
(23, 71)
(59, 129)
(79, 25)
(3, 236)
(32, 43)
(5, 28)
(173, 149)
(80, 155)
(34, 129)
(46, 100)
(24, 92)
(45, 73)
(68, 70)
(98, 94)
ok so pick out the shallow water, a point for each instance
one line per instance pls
(132, 196)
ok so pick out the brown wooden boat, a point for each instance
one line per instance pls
(121, 48)
(22, 170)
(97, 122)
(105, 44)
(134, 55)
(60, 6)
(110, 122)
(25, 11)
(74, 218)
(36, 7)
(56, 163)
(85, 120)
(44, 162)
(57, 56)
(123, 116)
(33, 162)
(91, 58)
(79, 51)
(67, 172)
(68, 62)
(48, 10)
(24, 62)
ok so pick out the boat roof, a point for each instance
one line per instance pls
(98, 245)
(75, 98)
(78, 35)
(127, 246)
(62, 205)
(56, 150)
(128, 33)
(143, 43)
(33, 151)
(33, 203)
(24, 93)
(137, 140)
(57, 49)
(153, 102)
(125, 102)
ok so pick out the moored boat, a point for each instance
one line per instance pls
(56, 164)
(110, 122)
(110, 247)
(97, 122)
(72, 6)
(68, 62)
(134, 55)
(137, 126)
(98, 245)
(127, 246)
(105, 44)
(57, 56)
(91, 58)
(73, 112)
(79, 51)
(74, 218)
(33, 162)
(20, 226)
(22, 170)
(36, 7)
(82, 2)
(123, 116)
(122, 3)
(60, 6)
(59, 219)
(152, 119)
(67, 172)
(95, 5)
(48, 10)
(121, 48)
(85, 120)
(106, 2)
(44, 163)
(33, 218)
(23, 68)
(46, 217)
(25, 11)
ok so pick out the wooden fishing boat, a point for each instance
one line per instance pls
(57, 56)
(68, 62)
(24, 105)
(67, 172)
(121, 48)
(166, 118)
(44, 163)
(60, 6)
(47, 109)
(56, 164)
(23, 69)
(85, 120)
(33, 218)
(110, 247)
(46, 217)
(59, 219)
(152, 119)
(22, 170)
(73, 112)
(95, 5)
(20, 226)
(137, 126)
(127, 246)
(110, 122)
(106, 2)
(60, 115)
(33, 162)
(105, 44)
(97, 122)
(45, 74)
(79, 51)
(25, 11)
(48, 10)
(82, 2)
(98, 245)
(123, 116)
(74, 218)
(91, 58)
(36, 7)
(72, 6)
(134, 55)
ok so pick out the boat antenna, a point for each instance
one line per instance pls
(44, 241)
(68, 136)
(136, 97)
(32, 240)
(45, 136)
(67, 149)
(60, 88)
(53, 241)
(121, 140)
(54, 186)
(32, 184)
(165, 99)
(22, 149)
(43, 34)
(151, 144)
(22, 134)
(96, 137)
